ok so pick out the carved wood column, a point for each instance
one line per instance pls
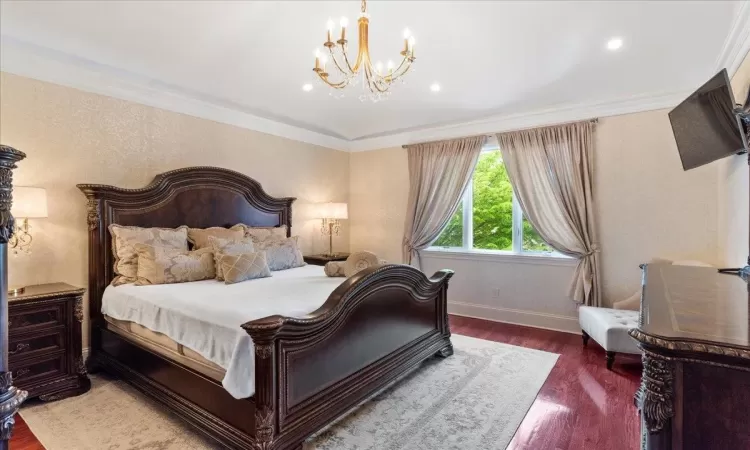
(10, 397)
(266, 412)
(655, 400)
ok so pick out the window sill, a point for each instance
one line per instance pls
(499, 257)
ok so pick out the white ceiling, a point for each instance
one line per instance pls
(495, 61)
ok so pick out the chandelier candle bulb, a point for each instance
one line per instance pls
(330, 30)
(344, 23)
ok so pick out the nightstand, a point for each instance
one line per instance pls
(321, 260)
(44, 334)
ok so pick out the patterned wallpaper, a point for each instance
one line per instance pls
(71, 137)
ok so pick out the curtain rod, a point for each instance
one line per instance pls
(596, 120)
(492, 135)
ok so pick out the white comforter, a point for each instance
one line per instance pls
(205, 316)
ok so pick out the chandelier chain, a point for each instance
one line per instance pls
(364, 6)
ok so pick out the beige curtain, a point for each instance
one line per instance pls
(438, 175)
(551, 173)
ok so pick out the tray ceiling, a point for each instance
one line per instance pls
(498, 63)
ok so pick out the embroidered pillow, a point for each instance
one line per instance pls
(228, 247)
(160, 265)
(242, 267)
(126, 257)
(261, 233)
(199, 236)
(281, 254)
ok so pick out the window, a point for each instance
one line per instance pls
(489, 217)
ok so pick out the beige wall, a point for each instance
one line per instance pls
(648, 206)
(378, 194)
(733, 190)
(70, 137)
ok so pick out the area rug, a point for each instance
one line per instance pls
(475, 399)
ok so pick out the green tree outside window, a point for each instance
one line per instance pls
(492, 212)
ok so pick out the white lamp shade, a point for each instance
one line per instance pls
(331, 211)
(29, 202)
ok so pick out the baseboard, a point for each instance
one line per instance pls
(527, 318)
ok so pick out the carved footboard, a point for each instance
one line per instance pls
(377, 326)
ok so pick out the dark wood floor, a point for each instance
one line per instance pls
(23, 438)
(581, 406)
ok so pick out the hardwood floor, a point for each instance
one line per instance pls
(23, 438)
(581, 406)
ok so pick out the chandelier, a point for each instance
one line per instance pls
(375, 78)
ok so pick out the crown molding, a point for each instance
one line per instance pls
(44, 64)
(508, 122)
(56, 67)
(737, 44)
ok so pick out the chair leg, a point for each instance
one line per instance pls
(585, 337)
(610, 360)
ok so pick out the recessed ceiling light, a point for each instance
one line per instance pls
(614, 44)
(307, 87)
(434, 87)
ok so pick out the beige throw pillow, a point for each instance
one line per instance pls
(261, 233)
(281, 254)
(126, 257)
(228, 247)
(199, 236)
(159, 265)
(242, 267)
(334, 269)
(359, 261)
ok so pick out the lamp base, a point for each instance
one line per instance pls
(16, 291)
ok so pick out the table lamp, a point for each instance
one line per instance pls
(331, 214)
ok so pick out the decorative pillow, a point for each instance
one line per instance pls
(199, 236)
(160, 265)
(281, 253)
(261, 233)
(334, 269)
(359, 261)
(245, 266)
(126, 257)
(228, 247)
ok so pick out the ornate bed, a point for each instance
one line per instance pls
(374, 328)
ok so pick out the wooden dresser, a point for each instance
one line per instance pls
(695, 335)
(44, 344)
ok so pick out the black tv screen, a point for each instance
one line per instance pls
(705, 126)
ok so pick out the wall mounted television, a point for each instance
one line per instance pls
(708, 125)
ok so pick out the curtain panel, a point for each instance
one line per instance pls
(438, 175)
(551, 172)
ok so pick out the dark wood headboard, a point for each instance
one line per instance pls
(199, 197)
